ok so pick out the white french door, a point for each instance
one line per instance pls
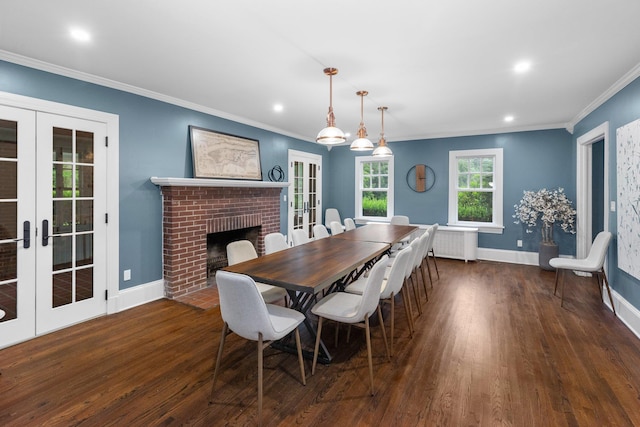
(53, 203)
(305, 191)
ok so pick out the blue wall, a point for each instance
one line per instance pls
(532, 160)
(154, 141)
(621, 109)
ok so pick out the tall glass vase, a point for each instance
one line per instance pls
(548, 248)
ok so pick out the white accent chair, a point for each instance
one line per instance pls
(349, 224)
(243, 250)
(331, 214)
(320, 232)
(336, 228)
(593, 263)
(274, 242)
(245, 313)
(354, 309)
(300, 237)
(392, 286)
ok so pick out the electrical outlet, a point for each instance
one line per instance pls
(519, 243)
(126, 275)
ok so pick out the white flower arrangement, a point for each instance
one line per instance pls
(550, 206)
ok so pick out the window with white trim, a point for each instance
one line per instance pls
(374, 188)
(475, 189)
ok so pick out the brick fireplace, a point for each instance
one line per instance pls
(193, 208)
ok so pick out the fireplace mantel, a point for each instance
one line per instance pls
(204, 182)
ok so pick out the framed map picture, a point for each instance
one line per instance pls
(220, 155)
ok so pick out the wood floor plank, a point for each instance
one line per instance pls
(492, 347)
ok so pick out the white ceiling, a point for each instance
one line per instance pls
(442, 67)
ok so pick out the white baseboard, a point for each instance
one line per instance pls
(627, 313)
(135, 296)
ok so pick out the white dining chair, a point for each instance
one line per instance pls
(274, 242)
(320, 232)
(336, 228)
(300, 237)
(331, 214)
(352, 309)
(400, 220)
(593, 263)
(349, 224)
(430, 251)
(418, 270)
(246, 314)
(243, 250)
(392, 286)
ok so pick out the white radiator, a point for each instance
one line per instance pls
(456, 242)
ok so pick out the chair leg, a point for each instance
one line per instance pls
(606, 282)
(429, 270)
(384, 333)
(407, 310)
(300, 359)
(393, 318)
(424, 282)
(563, 286)
(415, 294)
(433, 254)
(225, 328)
(260, 351)
(315, 351)
(368, 330)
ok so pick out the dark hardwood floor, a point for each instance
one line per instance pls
(492, 347)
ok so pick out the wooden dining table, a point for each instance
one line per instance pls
(322, 265)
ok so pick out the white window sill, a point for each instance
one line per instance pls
(482, 228)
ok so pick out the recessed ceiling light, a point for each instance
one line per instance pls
(80, 35)
(278, 107)
(508, 118)
(522, 67)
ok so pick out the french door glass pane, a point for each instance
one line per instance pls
(73, 215)
(8, 218)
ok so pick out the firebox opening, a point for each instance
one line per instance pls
(217, 246)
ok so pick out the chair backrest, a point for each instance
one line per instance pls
(400, 220)
(423, 242)
(300, 237)
(432, 231)
(274, 242)
(240, 251)
(371, 291)
(415, 246)
(331, 214)
(242, 306)
(336, 228)
(598, 251)
(320, 231)
(349, 224)
(397, 273)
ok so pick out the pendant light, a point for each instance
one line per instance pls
(330, 135)
(382, 150)
(362, 143)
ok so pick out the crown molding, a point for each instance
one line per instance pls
(101, 81)
(630, 76)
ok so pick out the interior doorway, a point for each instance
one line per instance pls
(592, 192)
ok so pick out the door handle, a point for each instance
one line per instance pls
(45, 232)
(26, 235)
